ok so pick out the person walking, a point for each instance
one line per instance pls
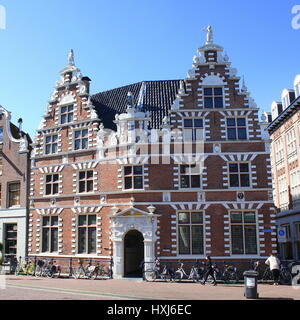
(274, 263)
(209, 271)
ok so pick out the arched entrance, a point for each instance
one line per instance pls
(133, 254)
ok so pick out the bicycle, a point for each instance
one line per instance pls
(90, 272)
(26, 267)
(230, 274)
(285, 276)
(151, 275)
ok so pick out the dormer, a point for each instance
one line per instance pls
(287, 97)
(276, 109)
(297, 85)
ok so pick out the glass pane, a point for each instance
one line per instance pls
(251, 240)
(184, 239)
(197, 240)
(48, 178)
(92, 240)
(244, 167)
(70, 117)
(48, 189)
(89, 175)
(197, 217)
(77, 145)
(208, 91)
(77, 134)
(242, 133)
(82, 240)
(218, 91)
(54, 138)
(231, 134)
(241, 122)
(92, 220)
(55, 177)
(234, 180)
(230, 122)
(89, 186)
(54, 239)
(245, 181)
(138, 182)
(208, 102)
(138, 170)
(184, 217)
(85, 133)
(233, 167)
(54, 148)
(46, 221)
(195, 181)
(127, 171)
(70, 108)
(63, 109)
(82, 187)
(198, 123)
(194, 169)
(237, 241)
(48, 139)
(184, 182)
(249, 217)
(219, 102)
(188, 123)
(184, 169)
(128, 183)
(236, 217)
(48, 149)
(45, 239)
(85, 143)
(54, 221)
(82, 220)
(63, 119)
(82, 175)
(55, 188)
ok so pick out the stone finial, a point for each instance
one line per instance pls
(244, 87)
(71, 60)
(130, 99)
(209, 35)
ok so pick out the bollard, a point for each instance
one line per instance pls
(251, 284)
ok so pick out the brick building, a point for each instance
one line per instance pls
(285, 135)
(14, 186)
(112, 178)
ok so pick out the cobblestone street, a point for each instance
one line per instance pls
(30, 288)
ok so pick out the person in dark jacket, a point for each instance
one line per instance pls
(209, 271)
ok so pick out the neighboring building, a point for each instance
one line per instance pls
(285, 135)
(14, 186)
(90, 200)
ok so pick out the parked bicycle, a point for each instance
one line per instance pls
(88, 272)
(25, 267)
(285, 276)
(154, 273)
(48, 268)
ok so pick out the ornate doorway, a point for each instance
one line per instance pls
(133, 254)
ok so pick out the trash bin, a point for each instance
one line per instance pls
(251, 284)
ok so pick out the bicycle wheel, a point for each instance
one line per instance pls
(150, 275)
(78, 273)
(285, 277)
(231, 277)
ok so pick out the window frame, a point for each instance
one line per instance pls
(193, 128)
(190, 177)
(190, 224)
(52, 183)
(51, 144)
(86, 180)
(8, 194)
(86, 227)
(239, 173)
(244, 232)
(50, 227)
(237, 127)
(61, 114)
(213, 97)
(132, 176)
(81, 139)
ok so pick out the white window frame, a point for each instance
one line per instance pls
(87, 227)
(193, 129)
(291, 143)
(67, 113)
(190, 175)
(52, 143)
(213, 96)
(50, 227)
(204, 233)
(81, 139)
(243, 223)
(237, 127)
(45, 184)
(239, 174)
(132, 176)
(78, 181)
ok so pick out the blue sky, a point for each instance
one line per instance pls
(120, 42)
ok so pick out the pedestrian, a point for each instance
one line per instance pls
(274, 263)
(209, 271)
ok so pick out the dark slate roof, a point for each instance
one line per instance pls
(159, 96)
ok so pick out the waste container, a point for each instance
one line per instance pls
(251, 284)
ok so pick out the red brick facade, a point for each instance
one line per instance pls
(119, 210)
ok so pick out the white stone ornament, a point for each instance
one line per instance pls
(71, 60)
(209, 35)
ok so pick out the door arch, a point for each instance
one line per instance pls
(133, 254)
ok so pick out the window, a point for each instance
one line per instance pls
(190, 176)
(87, 234)
(243, 233)
(297, 229)
(133, 177)
(14, 194)
(66, 114)
(213, 98)
(1, 135)
(295, 185)
(51, 143)
(191, 233)
(291, 144)
(52, 183)
(239, 175)
(279, 152)
(283, 193)
(86, 181)
(10, 240)
(1, 165)
(193, 129)
(236, 129)
(50, 234)
(81, 140)
(287, 247)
